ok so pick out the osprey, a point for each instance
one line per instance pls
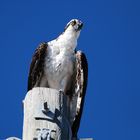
(56, 64)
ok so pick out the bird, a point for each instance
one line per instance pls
(57, 64)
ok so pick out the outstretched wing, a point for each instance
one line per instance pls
(80, 90)
(37, 66)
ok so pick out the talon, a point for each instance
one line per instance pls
(61, 91)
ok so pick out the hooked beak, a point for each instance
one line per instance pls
(80, 25)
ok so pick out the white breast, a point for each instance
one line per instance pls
(59, 63)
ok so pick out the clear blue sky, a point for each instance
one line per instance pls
(111, 42)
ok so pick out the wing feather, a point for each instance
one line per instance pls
(37, 64)
(80, 89)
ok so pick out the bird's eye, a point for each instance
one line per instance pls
(73, 23)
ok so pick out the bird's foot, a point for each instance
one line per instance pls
(61, 91)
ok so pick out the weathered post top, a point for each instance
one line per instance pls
(46, 115)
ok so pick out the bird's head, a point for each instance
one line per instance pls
(74, 25)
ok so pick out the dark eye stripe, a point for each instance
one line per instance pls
(73, 23)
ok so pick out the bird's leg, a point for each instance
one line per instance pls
(61, 91)
(65, 85)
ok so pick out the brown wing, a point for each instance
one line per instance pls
(80, 88)
(37, 66)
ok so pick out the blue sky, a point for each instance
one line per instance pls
(111, 41)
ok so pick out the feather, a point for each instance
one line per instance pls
(37, 65)
(77, 100)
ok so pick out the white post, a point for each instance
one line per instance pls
(46, 115)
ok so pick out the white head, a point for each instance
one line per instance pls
(74, 26)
